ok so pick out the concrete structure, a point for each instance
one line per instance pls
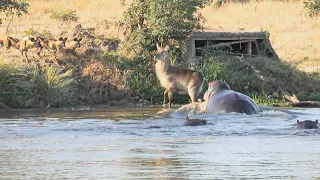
(199, 44)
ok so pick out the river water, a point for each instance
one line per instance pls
(141, 143)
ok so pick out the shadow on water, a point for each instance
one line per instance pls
(110, 113)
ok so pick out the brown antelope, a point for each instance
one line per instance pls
(50, 44)
(174, 78)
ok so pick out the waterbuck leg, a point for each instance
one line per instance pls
(164, 98)
(193, 95)
(170, 96)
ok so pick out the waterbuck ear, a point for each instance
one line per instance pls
(60, 39)
(316, 121)
(167, 48)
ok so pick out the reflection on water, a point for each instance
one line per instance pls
(119, 144)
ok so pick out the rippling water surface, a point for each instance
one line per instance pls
(133, 143)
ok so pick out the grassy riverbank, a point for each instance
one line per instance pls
(116, 81)
(94, 76)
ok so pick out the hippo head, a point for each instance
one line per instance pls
(195, 122)
(215, 86)
(307, 124)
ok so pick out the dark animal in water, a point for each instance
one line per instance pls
(307, 124)
(195, 122)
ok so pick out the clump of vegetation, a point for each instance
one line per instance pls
(149, 22)
(104, 82)
(13, 7)
(312, 7)
(30, 85)
(143, 81)
(65, 16)
(33, 32)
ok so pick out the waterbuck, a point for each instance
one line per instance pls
(176, 79)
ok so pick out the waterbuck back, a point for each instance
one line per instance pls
(176, 79)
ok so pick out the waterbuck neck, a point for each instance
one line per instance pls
(162, 66)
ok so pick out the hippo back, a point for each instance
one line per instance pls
(230, 101)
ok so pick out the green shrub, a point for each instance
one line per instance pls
(29, 85)
(10, 7)
(151, 21)
(65, 16)
(45, 34)
(312, 7)
(53, 86)
(219, 3)
(33, 32)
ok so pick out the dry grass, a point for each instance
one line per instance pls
(90, 14)
(295, 36)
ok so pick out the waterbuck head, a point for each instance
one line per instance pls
(162, 54)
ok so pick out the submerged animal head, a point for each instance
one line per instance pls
(162, 53)
(307, 124)
(195, 122)
(214, 87)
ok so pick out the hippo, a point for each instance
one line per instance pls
(195, 122)
(307, 124)
(221, 98)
